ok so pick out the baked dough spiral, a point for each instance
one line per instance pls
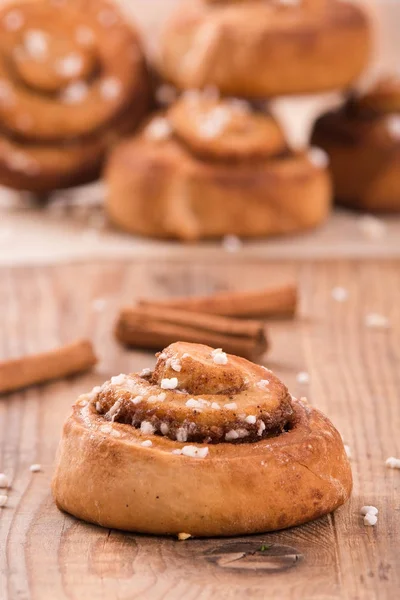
(207, 443)
(72, 81)
(208, 402)
(263, 48)
(362, 140)
(210, 167)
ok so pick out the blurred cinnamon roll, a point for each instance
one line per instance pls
(362, 140)
(263, 48)
(209, 167)
(207, 443)
(72, 81)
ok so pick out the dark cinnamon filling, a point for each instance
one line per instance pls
(205, 425)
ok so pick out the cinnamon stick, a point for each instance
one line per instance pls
(156, 328)
(38, 368)
(271, 302)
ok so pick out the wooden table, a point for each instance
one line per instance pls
(354, 378)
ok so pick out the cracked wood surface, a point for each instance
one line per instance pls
(354, 378)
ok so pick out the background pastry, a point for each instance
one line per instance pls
(210, 167)
(264, 48)
(362, 140)
(71, 82)
(207, 443)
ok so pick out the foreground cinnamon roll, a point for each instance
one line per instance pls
(210, 167)
(72, 81)
(362, 140)
(263, 48)
(207, 443)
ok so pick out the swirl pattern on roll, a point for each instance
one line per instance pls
(206, 443)
(197, 394)
(228, 129)
(72, 80)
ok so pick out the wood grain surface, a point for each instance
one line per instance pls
(354, 378)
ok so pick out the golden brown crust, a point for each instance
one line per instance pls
(106, 475)
(363, 144)
(261, 49)
(159, 186)
(71, 83)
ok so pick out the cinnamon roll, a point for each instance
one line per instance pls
(362, 140)
(207, 443)
(209, 167)
(72, 80)
(263, 48)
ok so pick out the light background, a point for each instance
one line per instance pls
(35, 235)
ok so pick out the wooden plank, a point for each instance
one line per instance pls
(46, 555)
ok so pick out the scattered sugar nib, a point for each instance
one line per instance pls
(158, 129)
(164, 428)
(99, 304)
(318, 157)
(196, 403)
(4, 481)
(169, 384)
(118, 379)
(340, 294)
(393, 463)
(110, 88)
(35, 468)
(147, 428)
(261, 428)
(369, 510)
(372, 227)
(347, 450)
(13, 20)
(370, 519)
(137, 399)
(147, 443)
(393, 126)
(174, 364)
(183, 536)
(70, 65)
(35, 42)
(376, 321)
(263, 384)
(74, 92)
(251, 419)
(192, 451)
(302, 377)
(214, 123)
(219, 357)
(231, 243)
